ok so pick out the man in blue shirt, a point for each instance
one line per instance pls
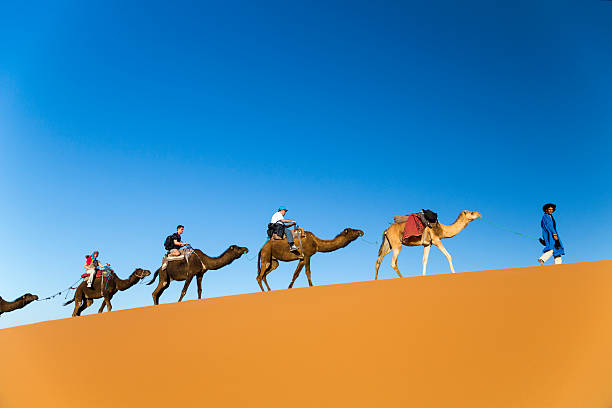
(550, 237)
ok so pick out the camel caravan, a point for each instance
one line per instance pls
(182, 263)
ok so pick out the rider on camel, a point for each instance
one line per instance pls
(92, 266)
(277, 224)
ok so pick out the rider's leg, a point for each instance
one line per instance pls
(289, 236)
(92, 272)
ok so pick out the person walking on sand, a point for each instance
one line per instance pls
(550, 237)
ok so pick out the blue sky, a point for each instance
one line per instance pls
(119, 121)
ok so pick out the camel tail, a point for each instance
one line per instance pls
(385, 245)
(154, 276)
(68, 302)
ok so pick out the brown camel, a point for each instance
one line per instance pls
(197, 264)
(392, 239)
(106, 288)
(279, 250)
(18, 303)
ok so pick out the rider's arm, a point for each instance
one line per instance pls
(180, 243)
(289, 221)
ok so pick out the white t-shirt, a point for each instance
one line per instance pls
(277, 217)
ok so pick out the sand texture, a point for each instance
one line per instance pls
(525, 337)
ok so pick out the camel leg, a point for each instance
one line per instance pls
(84, 305)
(446, 254)
(272, 267)
(162, 285)
(77, 306)
(101, 309)
(307, 265)
(199, 282)
(296, 273)
(396, 252)
(425, 257)
(263, 268)
(187, 283)
(385, 248)
(109, 307)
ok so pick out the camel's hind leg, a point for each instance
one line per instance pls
(84, 305)
(396, 252)
(273, 266)
(187, 283)
(161, 286)
(446, 254)
(263, 269)
(384, 249)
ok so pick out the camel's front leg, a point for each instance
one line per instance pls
(199, 282)
(425, 257)
(297, 272)
(101, 309)
(187, 283)
(307, 265)
(446, 254)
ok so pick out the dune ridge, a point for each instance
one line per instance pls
(521, 337)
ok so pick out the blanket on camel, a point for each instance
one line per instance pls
(414, 226)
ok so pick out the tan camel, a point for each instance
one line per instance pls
(279, 250)
(198, 263)
(84, 296)
(392, 239)
(20, 302)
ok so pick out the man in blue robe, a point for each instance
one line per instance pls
(550, 238)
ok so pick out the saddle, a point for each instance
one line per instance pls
(416, 223)
(99, 274)
(298, 233)
(185, 253)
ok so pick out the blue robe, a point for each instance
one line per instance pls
(548, 230)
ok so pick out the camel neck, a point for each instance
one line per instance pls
(14, 305)
(329, 245)
(123, 284)
(450, 231)
(220, 261)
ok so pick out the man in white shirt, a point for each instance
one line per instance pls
(278, 221)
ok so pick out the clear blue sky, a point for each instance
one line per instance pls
(119, 121)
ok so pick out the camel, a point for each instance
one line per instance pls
(197, 265)
(84, 296)
(279, 250)
(392, 239)
(20, 302)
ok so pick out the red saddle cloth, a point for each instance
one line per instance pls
(413, 227)
(99, 274)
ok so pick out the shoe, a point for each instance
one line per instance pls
(541, 261)
(294, 248)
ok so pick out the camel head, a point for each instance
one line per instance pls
(141, 273)
(29, 298)
(470, 215)
(351, 234)
(237, 251)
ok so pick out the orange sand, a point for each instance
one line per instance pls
(529, 337)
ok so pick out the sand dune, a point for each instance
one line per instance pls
(527, 337)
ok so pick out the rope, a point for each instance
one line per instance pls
(509, 230)
(67, 290)
(255, 254)
(369, 242)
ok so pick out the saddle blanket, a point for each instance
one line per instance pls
(175, 258)
(413, 228)
(99, 274)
